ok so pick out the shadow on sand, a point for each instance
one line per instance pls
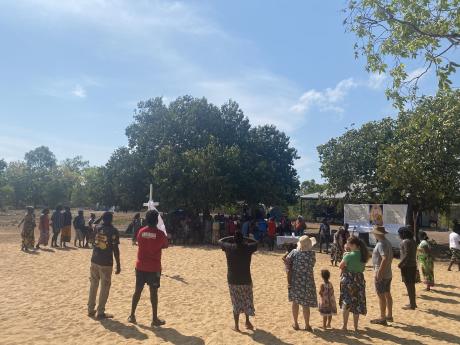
(65, 248)
(446, 293)
(127, 332)
(31, 252)
(176, 277)
(374, 334)
(446, 286)
(173, 336)
(431, 333)
(339, 336)
(48, 250)
(439, 299)
(263, 337)
(440, 313)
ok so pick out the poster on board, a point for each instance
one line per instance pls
(362, 217)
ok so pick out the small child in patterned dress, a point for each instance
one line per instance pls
(327, 305)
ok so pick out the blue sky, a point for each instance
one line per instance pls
(72, 72)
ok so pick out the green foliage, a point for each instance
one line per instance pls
(310, 186)
(200, 156)
(349, 162)
(404, 31)
(197, 155)
(423, 162)
(415, 159)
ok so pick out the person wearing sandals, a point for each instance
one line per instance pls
(382, 256)
(302, 288)
(238, 251)
(425, 257)
(352, 282)
(408, 264)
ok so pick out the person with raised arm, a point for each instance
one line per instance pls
(238, 251)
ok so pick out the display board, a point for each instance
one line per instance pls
(362, 217)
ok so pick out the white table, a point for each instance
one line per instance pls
(280, 240)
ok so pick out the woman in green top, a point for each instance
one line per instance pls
(425, 257)
(352, 283)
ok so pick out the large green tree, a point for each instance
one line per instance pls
(396, 34)
(422, 164)
(349, 162)
(201, 156)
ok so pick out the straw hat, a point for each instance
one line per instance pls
(379, 230)
(306, 243)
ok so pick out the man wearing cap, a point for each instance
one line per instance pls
(105, 249)
(382, 256)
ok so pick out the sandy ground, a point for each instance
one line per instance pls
(43, 301)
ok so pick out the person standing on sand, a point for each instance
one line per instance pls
(105, 249)
(44, 227)
(271, 233)
(56, 223)
(352, 282)
(80, 229)
(425, 257)
(151, 241)
(408, 264)
(238, 251)
(454, 245)
(302, 288)
(324, 235)
(382, 256)
(90, 239)
(28, 227)
(66, 230)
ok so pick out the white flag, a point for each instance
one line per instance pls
(161, 225)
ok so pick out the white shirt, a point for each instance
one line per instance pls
(454, 240)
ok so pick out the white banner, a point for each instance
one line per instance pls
(362, 217)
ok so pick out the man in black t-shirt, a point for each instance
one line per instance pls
(105, 249)
(238, 251)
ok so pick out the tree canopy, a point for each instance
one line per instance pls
(414, 159)
(396, 35)
(197, 155)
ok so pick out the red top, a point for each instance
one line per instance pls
(271, 228)
(150, 241)
(231, 227)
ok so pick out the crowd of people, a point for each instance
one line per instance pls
(59, 226)
(353, 254)
(348, 251)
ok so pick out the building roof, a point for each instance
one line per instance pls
(315, 196)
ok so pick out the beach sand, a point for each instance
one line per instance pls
(43, 300)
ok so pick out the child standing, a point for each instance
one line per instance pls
(327, 305)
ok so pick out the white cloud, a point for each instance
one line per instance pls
(125, 16)
(79, 91)
(376, 80)
(415, 73)
(329, 99)
(70, 88)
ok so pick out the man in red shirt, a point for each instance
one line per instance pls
(150, 242)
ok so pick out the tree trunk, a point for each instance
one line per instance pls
(414, 219)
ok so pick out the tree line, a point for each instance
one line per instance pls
(198, 157)
(413, 159)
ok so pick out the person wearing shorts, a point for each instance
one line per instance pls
(151, 241)
(382, 256)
